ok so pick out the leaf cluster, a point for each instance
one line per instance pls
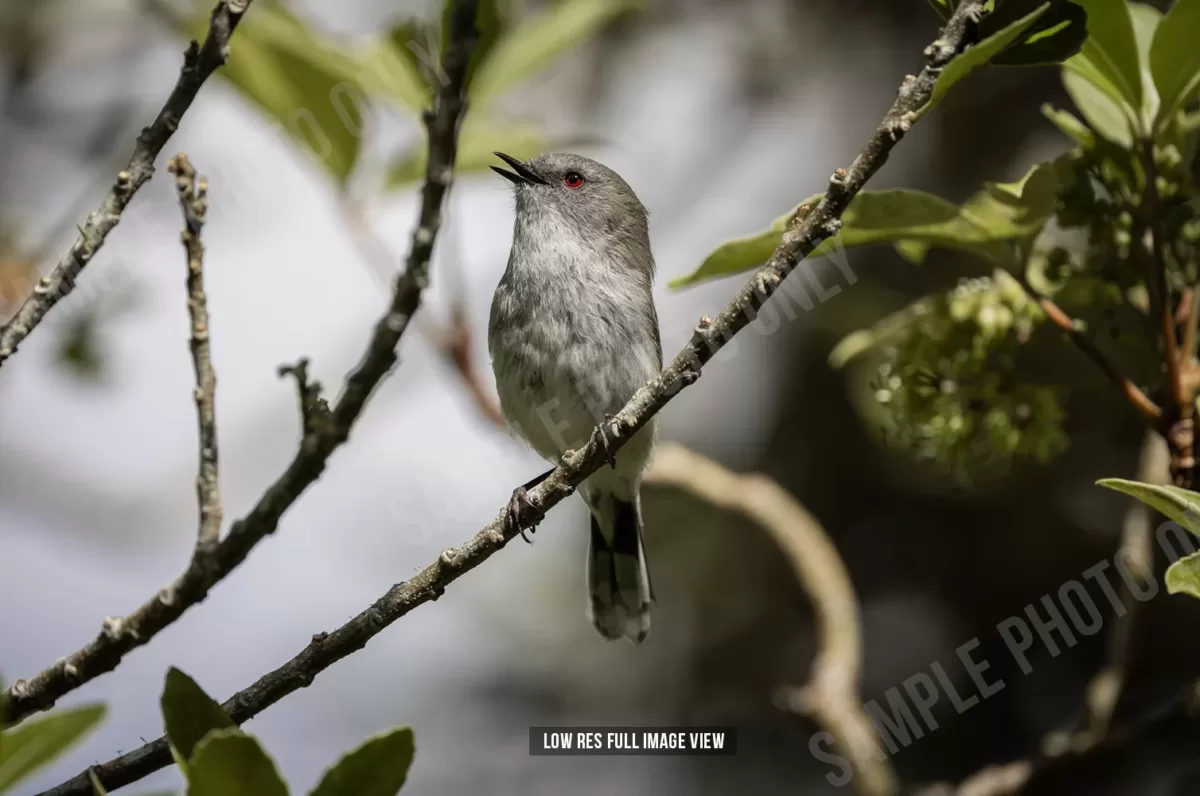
(1074, 229)
(214, 755)
(219, 759)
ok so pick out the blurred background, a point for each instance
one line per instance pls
(722, 114)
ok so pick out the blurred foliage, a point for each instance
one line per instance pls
(218, 759)
(321, 91)
(32, 744)
(948, 385)
(305, 83)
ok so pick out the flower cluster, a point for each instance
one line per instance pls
(947, 385)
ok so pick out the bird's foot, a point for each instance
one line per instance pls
(602, 430)
(521, 514)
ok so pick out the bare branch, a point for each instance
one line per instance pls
(831, 697)
(709, 337)
(453, 342)
(199, 61)
(193, 198)
(325, 430)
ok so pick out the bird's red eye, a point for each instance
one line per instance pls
(573, 179)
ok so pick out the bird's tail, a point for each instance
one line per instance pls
(619, 589)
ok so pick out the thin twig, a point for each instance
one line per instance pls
(314, 409)
(709, 337)
(454, 342)
(1158, 277)
(1180, 429)
(831, 696)
(324, 431)
(199, 61)
(193, 198)
(1151, 411)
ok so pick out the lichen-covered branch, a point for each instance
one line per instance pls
(709, 337)
(831, 696)
(325, 429)
(199, 61)
(193, 199)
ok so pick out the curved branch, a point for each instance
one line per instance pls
(831, 697)
(199, 61)
(325, 429)
(806, 234)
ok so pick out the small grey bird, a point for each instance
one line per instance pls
(573, 335)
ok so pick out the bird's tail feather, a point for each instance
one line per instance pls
(619, 588)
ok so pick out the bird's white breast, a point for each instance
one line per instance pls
(569, 346)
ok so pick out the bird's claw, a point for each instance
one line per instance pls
(519, 514)
(602, 431)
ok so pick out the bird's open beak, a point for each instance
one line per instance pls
(522, 175)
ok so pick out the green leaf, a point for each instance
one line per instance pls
(376, 768)
(523, 51)
(1057, 34)
(1183, 577)
(1071, 126)
(1180, 505)
(973, 58)
(1175, 57)
(478, 141)
(1110, 51)
(1016, 210)
(310, 88)
(1146, 20)
(744, 253)
(231, 763)
(1102, 112)
(189, 714)
(888, 216)
(914, 221)
(34, 743)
